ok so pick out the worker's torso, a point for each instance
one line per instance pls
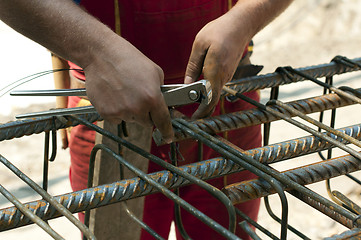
(163, 30)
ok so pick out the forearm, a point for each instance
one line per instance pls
(253, 15)
(59, 25)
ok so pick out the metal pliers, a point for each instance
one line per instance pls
(174, 95)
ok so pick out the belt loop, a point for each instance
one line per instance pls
(230, 4)
(117, 17)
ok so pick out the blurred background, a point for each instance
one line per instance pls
(309, 32)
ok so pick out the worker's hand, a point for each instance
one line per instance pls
(123, 84)
(216, 52)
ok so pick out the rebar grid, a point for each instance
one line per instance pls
(233, 160)
(132, 188)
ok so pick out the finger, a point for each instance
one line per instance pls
(161, 76)
(161, 119)
(195, 64)
(213, 73)
(145, 120)
(205, 110)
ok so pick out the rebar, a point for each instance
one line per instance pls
(245, 191)
(275, 79)
(252, 117)
(29, 213)
(325, 85)
(298, 124)
(20, 128)
(354, 233)
(49, 199)
(347, 221)
(347, 202)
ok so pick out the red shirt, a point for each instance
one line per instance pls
(163, 30)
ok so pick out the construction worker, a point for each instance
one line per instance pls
(158, 42)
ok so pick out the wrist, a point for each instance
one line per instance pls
(253, 15)
(99, 43)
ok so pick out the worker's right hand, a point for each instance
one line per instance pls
(123, 84)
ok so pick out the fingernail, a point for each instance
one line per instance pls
(168, 140)
(188, 79)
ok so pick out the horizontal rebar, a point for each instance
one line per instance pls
(252, 117)
(275, 79)
(30, 214)
(327, 210)
(63, 210)
(20, 128)
(132, 188)
(257, 188)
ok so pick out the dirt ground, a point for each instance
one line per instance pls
(310, 32)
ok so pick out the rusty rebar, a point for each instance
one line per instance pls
(325, 209)
(248, 190)
(252, 117)
(29, 214)
(20, 128)
(348, 203)
(354, 233)
(48, 198)
(275, 79)
(319, 124)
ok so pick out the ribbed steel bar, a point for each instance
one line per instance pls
(29, 214)
(276, 79)
(354, 233)
(347, 221)
(245, 191)
(132, 188)
(325, 85)
(347, 202)
(17, 129)
(256, 116)
(320, 125)
(59, 207)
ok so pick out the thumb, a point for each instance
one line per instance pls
(195, 65)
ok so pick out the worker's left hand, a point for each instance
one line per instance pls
(216, 52)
